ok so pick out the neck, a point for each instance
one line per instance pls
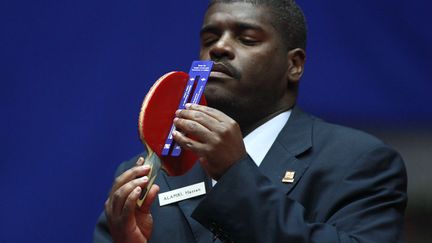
(247, 128)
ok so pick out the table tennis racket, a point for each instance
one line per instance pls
(168, 93)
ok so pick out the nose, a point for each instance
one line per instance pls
(222, 48)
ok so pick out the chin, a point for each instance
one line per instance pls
(225, 104)
(214, 95)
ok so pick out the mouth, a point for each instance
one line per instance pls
(221, 70)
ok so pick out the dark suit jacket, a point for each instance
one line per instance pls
(348, 187)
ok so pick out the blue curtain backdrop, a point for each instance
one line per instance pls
(73, 75)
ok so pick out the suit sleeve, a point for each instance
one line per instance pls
(368, 205)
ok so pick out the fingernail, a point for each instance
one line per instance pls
(138, 190)
(144, 179)
(188, 105)
(178, 112)
(146, 167)
(176, 119)
(140, 161)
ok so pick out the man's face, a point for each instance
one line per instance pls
(249, 78)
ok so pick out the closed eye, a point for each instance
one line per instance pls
(209, 35)
(208, 39)
(248, 41)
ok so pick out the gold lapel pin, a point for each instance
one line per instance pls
(289, 177)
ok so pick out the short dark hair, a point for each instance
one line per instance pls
(289, 20)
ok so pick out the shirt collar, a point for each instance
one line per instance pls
(259, 141)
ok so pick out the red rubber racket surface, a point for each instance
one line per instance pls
(156, 117)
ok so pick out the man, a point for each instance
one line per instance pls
(282, 175)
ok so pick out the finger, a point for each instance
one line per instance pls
(202, 118)
(188, 143)
(226, 126)
(151, 196)
(108, 209)
(120, 196)
(216, 114)
(130, 205)
(193, 128)
(140, 161)
(133, 173)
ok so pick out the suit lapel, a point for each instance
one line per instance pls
(294, 139)
(193, 176)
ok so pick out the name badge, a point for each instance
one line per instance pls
(181, 194)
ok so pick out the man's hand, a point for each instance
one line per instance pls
(213, 136)
(127, 221)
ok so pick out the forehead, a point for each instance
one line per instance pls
(238, 12)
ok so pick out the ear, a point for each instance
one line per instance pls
(296, 62)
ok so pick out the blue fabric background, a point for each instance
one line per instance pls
(73, 75)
